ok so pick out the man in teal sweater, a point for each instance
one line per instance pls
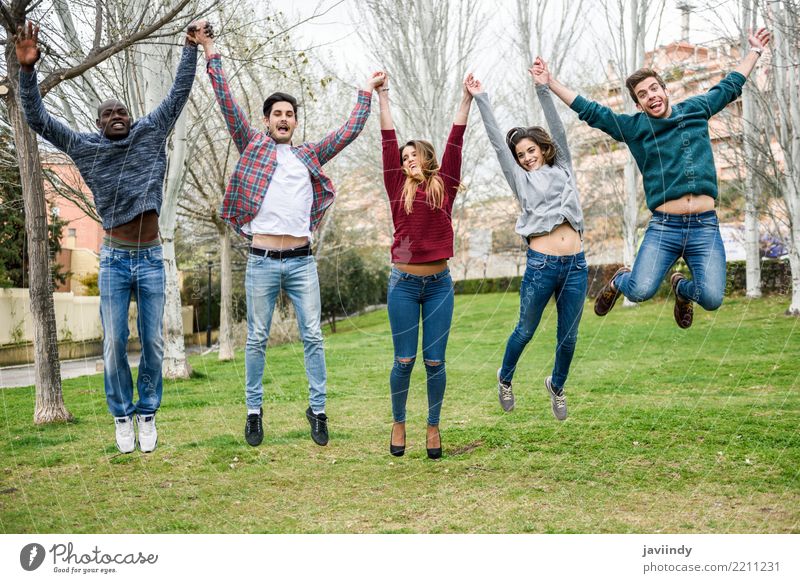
(672, 148)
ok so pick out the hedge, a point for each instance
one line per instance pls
(776, 279)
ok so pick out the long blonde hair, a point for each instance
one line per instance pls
(434, 191)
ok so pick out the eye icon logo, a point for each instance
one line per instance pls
(31, 556)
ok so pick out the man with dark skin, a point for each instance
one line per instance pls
(124, 166)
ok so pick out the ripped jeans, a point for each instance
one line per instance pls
(432, 297)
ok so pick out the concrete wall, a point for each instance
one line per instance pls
(77, 317)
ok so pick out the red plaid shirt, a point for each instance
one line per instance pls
(258, 156)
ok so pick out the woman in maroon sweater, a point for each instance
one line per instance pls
(421, 194)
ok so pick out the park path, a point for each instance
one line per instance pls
(23, 375)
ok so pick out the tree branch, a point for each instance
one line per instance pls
(104, 53)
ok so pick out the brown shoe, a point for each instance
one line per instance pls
(684, 309)
(608, 295)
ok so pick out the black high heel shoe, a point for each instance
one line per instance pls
(397, 450)
(434, 453)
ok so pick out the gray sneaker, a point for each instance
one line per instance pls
(505, 394)
(558, 402)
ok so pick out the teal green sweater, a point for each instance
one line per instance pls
(673, 154)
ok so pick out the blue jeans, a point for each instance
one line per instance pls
(432, 295)
(264, 279)
(696, 238)
(566, 277)
(122, 274)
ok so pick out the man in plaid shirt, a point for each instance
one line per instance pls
(277, 196)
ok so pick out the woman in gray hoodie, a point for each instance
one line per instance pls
(539, 170)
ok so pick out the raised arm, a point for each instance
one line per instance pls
(730, 87)
(451, 158)
(28, 53)
(758, 42)
(596, 115)
(393, 176)
(508, 164)
(383, 102)
(168, 111)
(238, 126)
(462, 113)
(336, 141)
(541, 76)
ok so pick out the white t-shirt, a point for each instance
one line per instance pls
(286, 208)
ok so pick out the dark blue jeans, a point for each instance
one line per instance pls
(566, 277)
(432, 297)
(123, 274)
(696, 238)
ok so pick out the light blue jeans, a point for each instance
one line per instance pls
(696, 238)
(139, 274)
(264, 279)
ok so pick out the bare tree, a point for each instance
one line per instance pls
(49, 397)
(782, 18)
(548, 30)
(427, 52)
(750, 136)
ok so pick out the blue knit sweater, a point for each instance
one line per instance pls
(673, 154)
(125, 176)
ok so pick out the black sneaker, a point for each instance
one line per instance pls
(253, 429)
(319, 427)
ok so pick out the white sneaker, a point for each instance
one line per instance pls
(126, 438)
(148, 435)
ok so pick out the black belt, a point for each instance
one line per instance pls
(303, 251)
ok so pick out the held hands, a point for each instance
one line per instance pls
(27, 45)
(472, 86)
(539, 72)
(377, 80)
(760, 39)
(200, 32)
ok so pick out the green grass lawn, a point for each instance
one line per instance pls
(669, 431)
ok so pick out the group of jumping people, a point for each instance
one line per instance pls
(278, 194)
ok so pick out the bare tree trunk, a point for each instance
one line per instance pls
(175, 363)
(630, 210)
(49, 397)
(786, 55)
(226, 348)
(751, 224)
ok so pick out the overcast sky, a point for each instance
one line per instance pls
(335, 32)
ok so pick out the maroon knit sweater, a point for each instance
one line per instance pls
(427, 233)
